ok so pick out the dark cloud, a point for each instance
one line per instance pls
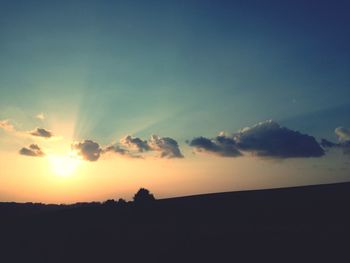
(33, 150)
(271, 140)
(266, 139)
(135, 143)
(168, 147)
(39, 132)
(221, 145)
(88, 150)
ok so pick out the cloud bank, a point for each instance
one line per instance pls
(265, 139)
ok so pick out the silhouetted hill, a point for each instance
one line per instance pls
(300, 224)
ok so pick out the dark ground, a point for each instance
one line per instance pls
(302, 224)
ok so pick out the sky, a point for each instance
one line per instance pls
(100, 98)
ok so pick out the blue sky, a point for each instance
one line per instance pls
(176, 68)
(229, 63)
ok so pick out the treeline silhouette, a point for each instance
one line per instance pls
(12, 209)
(300, 224)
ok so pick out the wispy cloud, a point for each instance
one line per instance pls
(40, 116)
(343, 135)
(7, 126)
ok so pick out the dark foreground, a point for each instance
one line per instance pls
(304, 224)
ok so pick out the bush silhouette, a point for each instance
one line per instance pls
(109, 202)
(143, 196)
(121, 202)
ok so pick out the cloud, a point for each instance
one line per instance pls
(168, 147)
(33, 150)
(88, 150)
(328, 144)
(221, 145)
(40, 132)
(7, 126)
(119, 150)
(40, 116)
(265, 139)
(343, 134)
(135, 143)
(116, 149)
(271, 140)
(129, 147)
(345, 146)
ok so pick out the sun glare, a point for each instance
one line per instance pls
(64, 165)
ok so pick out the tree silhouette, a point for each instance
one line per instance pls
(143, 196)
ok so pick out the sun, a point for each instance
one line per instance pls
(64, 165)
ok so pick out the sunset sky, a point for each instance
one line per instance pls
(99, 98)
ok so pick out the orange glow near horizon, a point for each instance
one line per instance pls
(59, 178)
